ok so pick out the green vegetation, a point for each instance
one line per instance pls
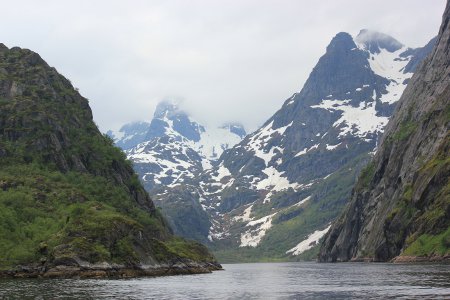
(404, 209)
(405, 130)
(293, 224)
(92, 216)
(436, 163)
(189, 249)
(366, 176)
(427, 245)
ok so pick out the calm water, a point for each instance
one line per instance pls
(254, 281)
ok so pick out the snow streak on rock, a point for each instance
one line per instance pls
(309, 242)
(252, 237)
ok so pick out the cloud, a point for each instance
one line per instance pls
(229, 60)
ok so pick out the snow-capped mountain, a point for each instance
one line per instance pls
(177, 147)
(277, 191)
(172, 151)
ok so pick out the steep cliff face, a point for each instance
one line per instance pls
(401, 203)
(68, 197)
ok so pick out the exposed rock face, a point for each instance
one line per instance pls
(68, 196)
(401, 203)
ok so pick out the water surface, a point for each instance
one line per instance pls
(254, 281)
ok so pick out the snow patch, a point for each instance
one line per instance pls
(274, 182)
(261, 138)
(328, 176)
(291, 99)
(310, 242)
(306, 150)
(252, 237)
(213, 141)
(391, 65)
(302, 201)
(222, 172)
(274, 179)
(332, 147)
(245, 217)
(362, 119)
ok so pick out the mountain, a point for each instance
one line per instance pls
(173, 150)
(70, 203)
(275, 194)
(170, 122)
(400, 206)
(129, 135)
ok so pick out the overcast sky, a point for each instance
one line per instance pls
(229, 60)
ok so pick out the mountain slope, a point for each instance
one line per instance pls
(170, 152)
(285, 183)
(129, 135)
(401, 203)
(70, 204)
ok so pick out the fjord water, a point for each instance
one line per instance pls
(254, 281)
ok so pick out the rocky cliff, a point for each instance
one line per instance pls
(70, 203)
(400, 206)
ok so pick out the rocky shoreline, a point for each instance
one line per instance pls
(421, 259)
(106, 270)
(401, 259)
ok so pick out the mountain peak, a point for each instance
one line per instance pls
(374, 41)
(342, 40)
(165, 107)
